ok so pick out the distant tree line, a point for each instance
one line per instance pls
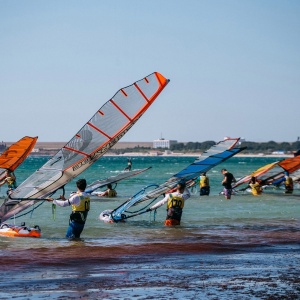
(252, 147)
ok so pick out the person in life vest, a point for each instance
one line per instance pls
(288, 183)
(204, 185)
(175, 203)
(10, 179)
(226, 182)
(110, 192)
(80, 202)
(256, 189)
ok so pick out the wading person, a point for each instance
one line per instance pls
(256, 189)
(204, 185)
(287, 181)
(80, 202)
(109, 193)
(10, 179)
(175, 203)
(226, 182)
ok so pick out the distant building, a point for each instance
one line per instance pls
(278, 152)
(162, 143)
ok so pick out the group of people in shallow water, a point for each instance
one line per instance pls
(175, 199)
(254, 184)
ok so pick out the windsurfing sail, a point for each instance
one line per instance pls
(113, 179)
(106, 127)
(269, 173)
(209, 159)
(259, 172)
(296, 176)
(14, 155)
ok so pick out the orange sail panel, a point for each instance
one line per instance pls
(12, 157)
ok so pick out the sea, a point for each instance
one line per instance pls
(244, 248)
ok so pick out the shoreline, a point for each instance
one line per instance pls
(138, 154)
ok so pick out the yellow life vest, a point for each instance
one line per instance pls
(84, 204)
(289, 183)
(255, 188)
(175, 201)
(11, 182)
(111, 194)
(204, 181)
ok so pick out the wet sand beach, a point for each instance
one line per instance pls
(163, 271)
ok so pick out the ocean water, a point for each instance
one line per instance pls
(222, 249)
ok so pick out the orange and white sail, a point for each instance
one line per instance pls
(106, 127)
(15, 154)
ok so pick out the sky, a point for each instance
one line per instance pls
(234, 67)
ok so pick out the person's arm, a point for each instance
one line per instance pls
(160, 203)
(66, 202)
(224, 179)
(186, 194)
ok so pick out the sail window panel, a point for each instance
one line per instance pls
(70, 158)
(97, 138)
(80, 145)
(37, 181)
(149, 86)
(132, 103)
(56, 162)
(111, 122)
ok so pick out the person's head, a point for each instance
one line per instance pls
(81, 184)
(109, 186)
(253, 179)
(181, 186)
(223, 171)
(203, 174)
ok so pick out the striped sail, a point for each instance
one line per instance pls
(106, 127)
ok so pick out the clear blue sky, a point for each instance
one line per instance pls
(234, 66)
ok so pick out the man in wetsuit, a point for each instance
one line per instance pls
(226, 182)
(175, 203)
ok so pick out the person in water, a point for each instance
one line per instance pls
(10, 179)
(129, 165)
(226, 182)
(288, 183)
(110, 192)
(80, 202)
(256, 188)
(204, 185)
(175, 203)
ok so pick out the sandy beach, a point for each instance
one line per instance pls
(164, 271)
